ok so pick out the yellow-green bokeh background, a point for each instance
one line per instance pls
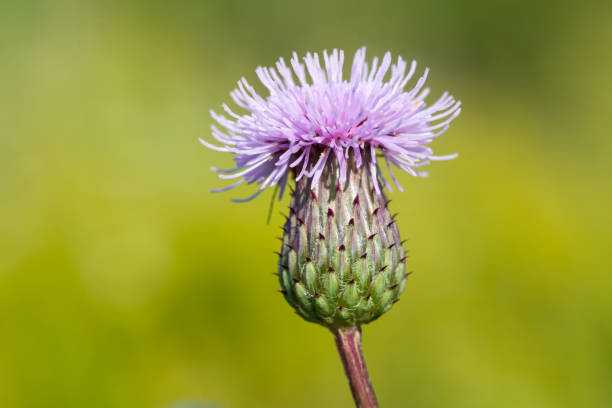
(125, 283)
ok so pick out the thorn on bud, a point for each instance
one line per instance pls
(356, 200)
(391, 246)
(403, 259)
(390, 224)
(283, 291)
(371, 237)
(392, 287)
(387, 203)
(407, 274)
(375, 211)
(383, 268)
(351, 222)
(394, 301)
(403, 242)
(290, 247)
(394, 215)
(277, 253)
(321, 237)
(313, 195)
(291, 211)
(300, 221)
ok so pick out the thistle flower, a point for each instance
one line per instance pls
(342, 263)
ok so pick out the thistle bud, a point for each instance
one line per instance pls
(341, 262)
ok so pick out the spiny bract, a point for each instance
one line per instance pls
(342, 262)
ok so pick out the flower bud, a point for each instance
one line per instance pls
(342, 262)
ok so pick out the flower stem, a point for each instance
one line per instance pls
(348, 342)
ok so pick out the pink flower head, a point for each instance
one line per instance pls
(303, 125)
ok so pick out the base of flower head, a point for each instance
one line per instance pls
(342, 262)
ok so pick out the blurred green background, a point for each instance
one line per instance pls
(125, 283)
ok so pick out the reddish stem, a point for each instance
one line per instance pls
(348, 341)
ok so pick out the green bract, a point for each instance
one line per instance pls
(342, 262)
